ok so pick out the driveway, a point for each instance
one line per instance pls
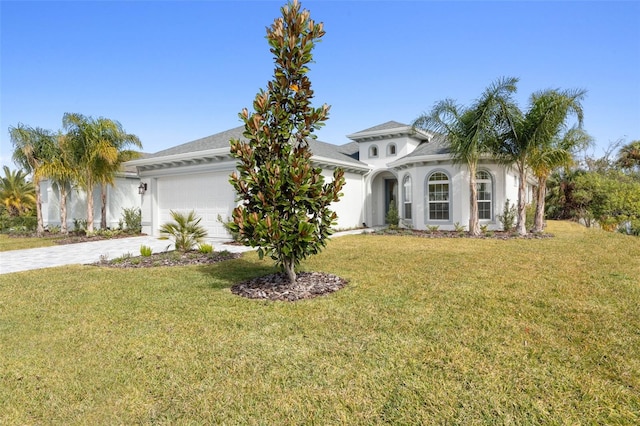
(91, 252)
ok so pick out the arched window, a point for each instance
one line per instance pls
(373, 151)
(391, 149)
(438, 197)
(484, 185)
(406, 197)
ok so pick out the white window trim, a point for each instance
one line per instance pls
(493, 195)
(427, 202)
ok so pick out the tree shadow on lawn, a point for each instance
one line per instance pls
(263, 282)
(230, 272)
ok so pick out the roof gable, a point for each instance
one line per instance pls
(220, 142)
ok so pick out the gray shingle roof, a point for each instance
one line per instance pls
(437, 145)
(221, 140)
(384, 126)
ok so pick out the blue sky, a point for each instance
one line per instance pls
(172, 72)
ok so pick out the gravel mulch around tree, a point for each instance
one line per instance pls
(277, 287)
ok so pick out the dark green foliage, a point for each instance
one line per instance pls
(185, 230)
(284, 200)
(392, 218)
(508, 216)
(131, 220)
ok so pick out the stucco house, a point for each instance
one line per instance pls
(391, 162)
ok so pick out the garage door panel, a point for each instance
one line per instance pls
(209, 194)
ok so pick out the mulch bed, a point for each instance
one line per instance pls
(277, 287)
(495, 235)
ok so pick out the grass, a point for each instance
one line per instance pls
(428, 331)
(19, 243)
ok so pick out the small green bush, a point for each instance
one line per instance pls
(145, 251)
(131, 220)
(80, 226)
(530, 212)
(433, 228)
(205, 248)
(508, 216)
(392, 218)
(459, 228)
(185, 230)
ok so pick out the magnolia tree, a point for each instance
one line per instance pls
(283, 199)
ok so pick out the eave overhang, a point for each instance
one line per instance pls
(204, 160)
(397, 132)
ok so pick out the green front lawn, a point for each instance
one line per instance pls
(431, 331)
(19, 243)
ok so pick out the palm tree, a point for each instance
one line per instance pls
(98, 150)
(120, 140)
(544, 159)
(527, 135)
(59, 169)
(32, 146)
(471, 131)
(17, 194)
(185, 230)
(629, 156)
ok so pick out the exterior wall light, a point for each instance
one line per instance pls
(142, 188)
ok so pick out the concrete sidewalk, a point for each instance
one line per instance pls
(91, 252)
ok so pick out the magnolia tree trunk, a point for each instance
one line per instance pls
(289, 269)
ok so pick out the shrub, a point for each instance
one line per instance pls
(80, 226)
(508, 216)
(392, 218)
(530, 216)
(433, 228)
(458, 228)
(205, 248)
(145, 251)
(131, 220)
(185, 230)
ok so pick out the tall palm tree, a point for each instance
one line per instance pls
(544, 159)
(121, 141)
(32, 146)
(17, 194)
(471, 131)
(58, 167)
(98, 150)
(527, 135)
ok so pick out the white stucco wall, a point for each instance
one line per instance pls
(460, 194)
(124, 194)
(350, 208)
(404, 145)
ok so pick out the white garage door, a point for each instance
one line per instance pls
(209, 194)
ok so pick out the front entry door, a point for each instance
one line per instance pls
(390, 194)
